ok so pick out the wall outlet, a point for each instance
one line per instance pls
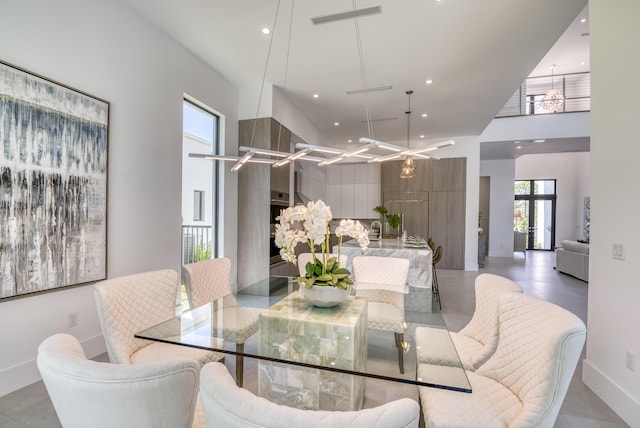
(73, 319)
(631, 361)
(617, 250)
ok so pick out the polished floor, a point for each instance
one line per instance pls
(31, 407)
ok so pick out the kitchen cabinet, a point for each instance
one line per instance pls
(433, 203)
(353, 191)
(255, 182)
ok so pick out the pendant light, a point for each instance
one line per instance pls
(409, 165)
(553, 99)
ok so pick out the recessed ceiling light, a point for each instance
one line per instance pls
(424, 114)
(583, 20)
(429, 81)
(349, 141)
(336, 123)
(265, 31)
(518, 147)
(422, 136)
(582, 63)
(316, 96)
(539, 141)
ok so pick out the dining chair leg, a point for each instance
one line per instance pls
(239, 363)
(399, 341)
(434, 286)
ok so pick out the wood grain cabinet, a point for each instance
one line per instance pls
(433, 203)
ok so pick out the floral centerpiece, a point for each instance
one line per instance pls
(310, 223)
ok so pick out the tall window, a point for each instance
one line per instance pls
(199, 182)
(198, 205)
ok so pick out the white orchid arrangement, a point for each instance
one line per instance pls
(314, 219)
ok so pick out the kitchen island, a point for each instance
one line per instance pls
(418, 288)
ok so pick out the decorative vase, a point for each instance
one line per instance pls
(324, 296)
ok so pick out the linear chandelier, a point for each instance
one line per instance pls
(322, 155)
(358, 155)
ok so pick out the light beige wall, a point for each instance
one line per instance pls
(104, 49)
(614, 291)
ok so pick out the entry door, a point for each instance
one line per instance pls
(535, 212)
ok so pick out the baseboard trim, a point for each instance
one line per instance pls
(612, 394)
(26, 373)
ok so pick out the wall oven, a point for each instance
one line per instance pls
(279, 201)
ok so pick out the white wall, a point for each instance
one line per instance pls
(102, 48)
(614, 291)
(313, 181)
(538, 126)
(502, 173)
(290, 116)
(571, 170)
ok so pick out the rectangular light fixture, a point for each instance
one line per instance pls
(350, 14)
(365, 90)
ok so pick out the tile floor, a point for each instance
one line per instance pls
(30, 406)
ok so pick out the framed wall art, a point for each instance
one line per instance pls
(53, 185)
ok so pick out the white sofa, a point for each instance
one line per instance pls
(573, 258)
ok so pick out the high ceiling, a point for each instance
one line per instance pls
(476, 53)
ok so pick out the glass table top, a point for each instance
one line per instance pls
(253, 318)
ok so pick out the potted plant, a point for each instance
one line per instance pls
(310, 223)
(392, 219)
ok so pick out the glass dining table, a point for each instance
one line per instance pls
(302, 348)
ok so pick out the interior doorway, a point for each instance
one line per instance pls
(535, 212)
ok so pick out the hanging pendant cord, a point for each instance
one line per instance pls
(363, 74)
(286, 71)
(264, 74)
(409, 119)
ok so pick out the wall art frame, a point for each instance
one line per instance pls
(53, 185)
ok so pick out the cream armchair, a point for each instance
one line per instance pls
(226, 405)
(525, 381)
(382, 280)
(209, 280)
(130, 304)
(88, 393)
(477, 341)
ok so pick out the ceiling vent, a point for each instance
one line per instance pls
(364, 90)
(356, 13)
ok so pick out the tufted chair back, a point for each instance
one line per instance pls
(129, 304)
(483, 326)
(237, 407)
(207, 280)
(539, 346)
(88, 393)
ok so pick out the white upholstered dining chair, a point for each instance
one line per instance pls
(88, 393)
(477, 341)
(305, 258)
(382, 280)
(129, 304)
(523, 384)
(226, 405)
(209, 280)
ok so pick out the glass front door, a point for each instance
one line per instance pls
(535, 212)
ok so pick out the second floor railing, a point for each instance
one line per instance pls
(576, 88)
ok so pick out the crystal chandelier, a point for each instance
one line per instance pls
(553, 99)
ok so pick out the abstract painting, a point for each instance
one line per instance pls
(53, 185)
